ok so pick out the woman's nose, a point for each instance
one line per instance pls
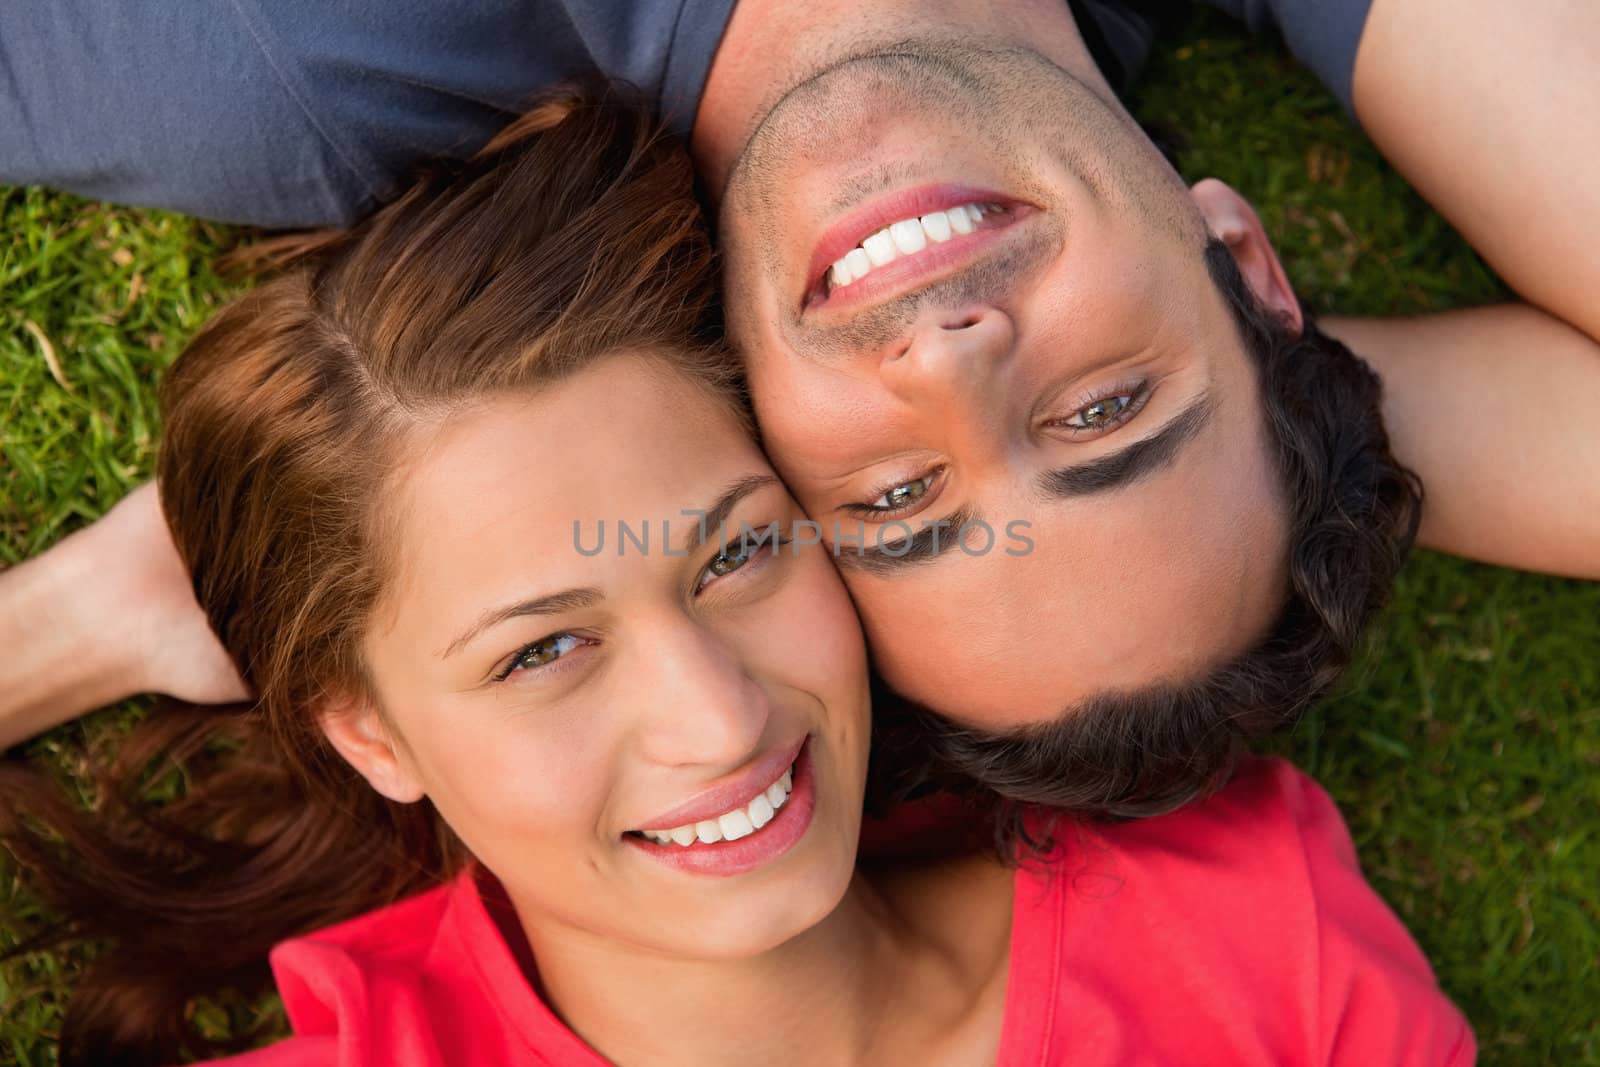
(701, 705)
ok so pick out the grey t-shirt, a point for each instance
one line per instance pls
(288, 113)
(296, 113)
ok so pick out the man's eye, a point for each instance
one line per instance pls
(903, 495)
(1103, 412)
(541, 653)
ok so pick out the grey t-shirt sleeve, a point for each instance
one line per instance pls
(166, 104)
(1322, 34)
(308, 112)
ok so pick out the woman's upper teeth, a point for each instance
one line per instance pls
(730, 825)
(904, 238)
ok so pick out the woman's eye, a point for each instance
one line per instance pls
(903, 495)
(734, 556)
(728, 560)
(542, 653)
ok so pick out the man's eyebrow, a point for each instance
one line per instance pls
(715, 514)
(1139, 459)
(933, 540)
(554, 604)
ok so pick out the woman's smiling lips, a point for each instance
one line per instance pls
(727, 840)
(903, 239)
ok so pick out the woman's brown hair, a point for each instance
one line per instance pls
(571, 236)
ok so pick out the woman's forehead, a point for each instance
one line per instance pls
(525, 480)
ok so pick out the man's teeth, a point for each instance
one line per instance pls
(732, 825)
(905, 238)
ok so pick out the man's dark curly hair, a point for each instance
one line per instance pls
(1352, 516)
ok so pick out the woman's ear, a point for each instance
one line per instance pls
(1233, 221)
(355, 728)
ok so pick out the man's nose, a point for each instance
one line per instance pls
(950, 355)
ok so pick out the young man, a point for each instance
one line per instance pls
(1091, 362)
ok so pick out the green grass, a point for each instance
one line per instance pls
(114, 294)
(94, 302)
(1465, 749)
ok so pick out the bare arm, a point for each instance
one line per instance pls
(1490, 110)
(104, 615)
(1498, 409)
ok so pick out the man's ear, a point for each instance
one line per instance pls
(354, 727)
(1231, 219)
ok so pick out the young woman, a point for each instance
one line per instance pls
(573, 806)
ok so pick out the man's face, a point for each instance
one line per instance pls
(1033, 351)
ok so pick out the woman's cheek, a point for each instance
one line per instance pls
(819, 622)
(511, 770)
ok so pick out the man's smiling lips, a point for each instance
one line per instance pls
(902, 240)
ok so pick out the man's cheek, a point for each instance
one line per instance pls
(801, 452)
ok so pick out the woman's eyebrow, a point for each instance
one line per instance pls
(711, 517)
(1127, 466)
(554, 604)
(715, 514)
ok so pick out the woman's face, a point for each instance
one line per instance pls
(575, 715)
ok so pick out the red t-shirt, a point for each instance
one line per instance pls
(1237, 931)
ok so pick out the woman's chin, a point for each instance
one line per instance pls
(774, 918)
